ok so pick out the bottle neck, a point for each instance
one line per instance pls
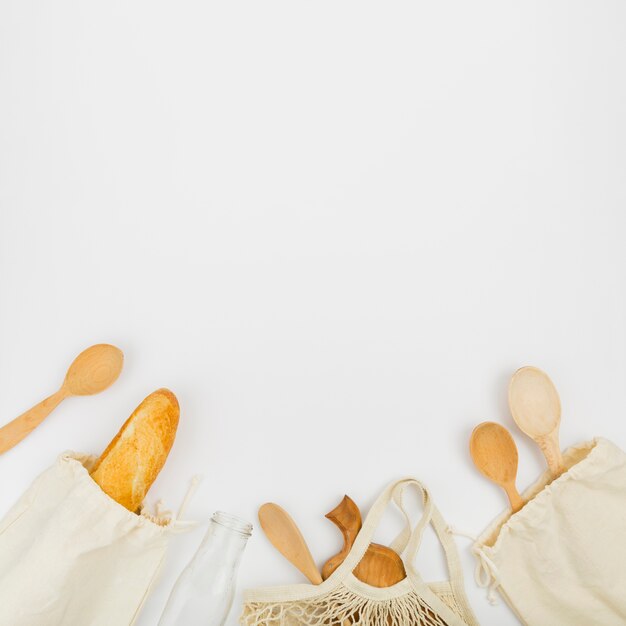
(225, 538)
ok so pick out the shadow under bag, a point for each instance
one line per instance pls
(343, 599)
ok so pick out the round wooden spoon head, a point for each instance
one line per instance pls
(93, 370)
(534, 402)
(495, 455)
(536, 408)
(286, 537)
(380, 567)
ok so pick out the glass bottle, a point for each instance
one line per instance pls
(203, 593)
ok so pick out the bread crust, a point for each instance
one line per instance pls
(132, 461)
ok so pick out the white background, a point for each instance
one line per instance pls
(334, 229)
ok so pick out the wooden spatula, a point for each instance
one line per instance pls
(380, 567)
(495, 455)
(286, 537)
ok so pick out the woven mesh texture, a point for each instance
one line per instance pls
(342, 607)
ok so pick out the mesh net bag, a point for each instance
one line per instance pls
(343, 600)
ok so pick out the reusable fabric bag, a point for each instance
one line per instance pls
(72, 556)
(562, 558)
(343, 599)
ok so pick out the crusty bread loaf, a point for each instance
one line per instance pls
(132, 461)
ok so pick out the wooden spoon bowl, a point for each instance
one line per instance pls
(536, 408)
(495, 455)
(285, 536)
(93, 370)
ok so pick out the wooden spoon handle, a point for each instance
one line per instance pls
(13, 432)
(347, 517)
(514, 498)
(552, 452)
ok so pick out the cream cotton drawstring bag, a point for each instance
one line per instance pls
(72, 556)
(342, 599)
(561, 560)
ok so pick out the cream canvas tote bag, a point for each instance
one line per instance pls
(562, 558)
(72, 556)
(343, 599)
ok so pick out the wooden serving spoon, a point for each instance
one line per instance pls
(495, 455)
(380, 567)
(536, 409)
(286, 537)
(92, 371)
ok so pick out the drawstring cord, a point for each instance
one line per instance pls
(486, 573)
(165, 517)
(460, 533)
(178, 524)
(191, 491)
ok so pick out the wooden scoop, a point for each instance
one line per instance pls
(495, 455)
(536, 409)
(380, 567)
(92, 371)
(286, 537)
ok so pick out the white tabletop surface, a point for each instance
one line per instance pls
(334, 229)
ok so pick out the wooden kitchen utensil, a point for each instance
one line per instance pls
(495, 455)
(286, 537)
(380, 567)
(536, 409)
(92, 371)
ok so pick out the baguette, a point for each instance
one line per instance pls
(132, 461)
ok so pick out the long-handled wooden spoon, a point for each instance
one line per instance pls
(495, 455)
(286, 537)
(92, 371)
(536, 409)
(379, 567)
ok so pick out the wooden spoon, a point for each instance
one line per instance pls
(536, 409)
(286, 537)
(495, 455)
(380, 567)
(92, 371)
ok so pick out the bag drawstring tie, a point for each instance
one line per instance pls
(164, 517)
(177, 523)
(191, 492)
(486, 572)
